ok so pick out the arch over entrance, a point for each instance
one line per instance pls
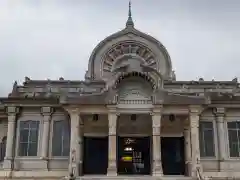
(134, 86)
(135, 76)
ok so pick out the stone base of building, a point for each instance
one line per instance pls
(59, 174)
(7, 164)
(53, 175)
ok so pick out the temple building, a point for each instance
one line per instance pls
(129, 119)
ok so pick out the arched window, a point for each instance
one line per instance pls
(61, 138)
(3, 148)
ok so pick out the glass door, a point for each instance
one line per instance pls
(134, 155)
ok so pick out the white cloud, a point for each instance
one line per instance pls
(50, 39)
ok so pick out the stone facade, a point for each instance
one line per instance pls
(129, 75)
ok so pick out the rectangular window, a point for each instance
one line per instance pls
(206, 139)
(28, 141)
(233, 137)
(61, 138)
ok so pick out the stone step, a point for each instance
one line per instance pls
(134, 178)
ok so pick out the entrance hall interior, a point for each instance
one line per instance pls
(133, 145)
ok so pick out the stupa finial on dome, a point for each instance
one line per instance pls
(130, 21)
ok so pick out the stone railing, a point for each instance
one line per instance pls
(135, 101)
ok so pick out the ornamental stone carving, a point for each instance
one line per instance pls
(11, 110)
(46, 111)
(114, 48)
(117, 53)
(219, 111)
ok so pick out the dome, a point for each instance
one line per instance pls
(128, 47)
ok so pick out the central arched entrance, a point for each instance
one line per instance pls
(134, 130)
(134, 141)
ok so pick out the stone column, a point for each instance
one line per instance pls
(221, 136)
(12, 112)
(80, 141)
(75, 149)
(194, 130)
(187, 142)
(156, 149)
(112, 144)
(46, 112)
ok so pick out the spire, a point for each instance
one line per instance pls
(129, 21)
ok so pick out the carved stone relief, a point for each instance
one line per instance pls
(135, 90)
(127, 48)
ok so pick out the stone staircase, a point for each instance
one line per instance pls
(134, 178)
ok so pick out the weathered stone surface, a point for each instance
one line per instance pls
(128, 73)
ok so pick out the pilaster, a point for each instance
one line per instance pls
(46, 113)
(112, 144)
(187, 144)
(156, 132)
(219, 113)
(75, 143)
(80, 145)
(194, 112)
(12, 113)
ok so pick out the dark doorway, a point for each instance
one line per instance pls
(95, 160)
(173, 161)
(134, 155)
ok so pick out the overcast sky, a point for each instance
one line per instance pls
(47, 39)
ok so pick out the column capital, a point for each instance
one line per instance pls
(186, 128)
(219, 111)
(112, 109)
(12, 110)
(46, 111)
(194, 112)
(195, 109)
(156, 123)
(117, 114)
(74, 114)
(156, 110)
(73, 110)
(112, 123)
(155, 113)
